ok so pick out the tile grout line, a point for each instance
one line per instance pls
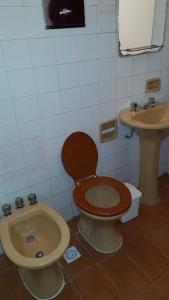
(150, 286)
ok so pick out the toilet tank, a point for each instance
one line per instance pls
(63, 13)
(134, 208)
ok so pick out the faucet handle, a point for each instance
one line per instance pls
(32, 198)
(6, 209)
(134, 106)
(19, 203)
(151, 101)
(144, 106)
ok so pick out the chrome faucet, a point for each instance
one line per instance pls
(6, 209)
(32, 198)
(134, 106)
(151, 102)
(19, 203)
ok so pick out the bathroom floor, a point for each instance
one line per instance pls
(140, 270)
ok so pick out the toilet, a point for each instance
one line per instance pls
(34, 238)
(101, 200)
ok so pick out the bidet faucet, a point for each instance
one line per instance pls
(6, 209)
(32, 198)
(19, 203)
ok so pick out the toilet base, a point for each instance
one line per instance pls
(45, 283)
(101, 235)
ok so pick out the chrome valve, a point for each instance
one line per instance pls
(32, 198)
(143, 106)
(6, 209)
(134, 106)
(19, 203)
(151, 101)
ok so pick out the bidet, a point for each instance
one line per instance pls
(34, 237)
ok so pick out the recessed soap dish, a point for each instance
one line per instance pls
(108, 130)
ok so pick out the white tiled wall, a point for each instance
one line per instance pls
(159, 24)
(54, 82)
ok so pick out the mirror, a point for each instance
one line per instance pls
(141, 26)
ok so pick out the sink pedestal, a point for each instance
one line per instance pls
(150, 141)
(152, 126)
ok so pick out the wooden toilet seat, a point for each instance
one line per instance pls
(80, 199)
(80, 158)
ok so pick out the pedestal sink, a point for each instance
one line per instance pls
(152, 126)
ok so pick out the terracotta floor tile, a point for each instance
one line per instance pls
(163, 181)
(164, 189)
(159, 238)
(73, 225)
(68, 293)
(128, 232)
(156, 214)
(165, 201)
(5, 262)
(85, 261)
(11, 286)
(148, 220)
(163, 285)
(159, 291)
(153, 294)
(164, 196)
(93, 285)
(148, 257)
(141, 224)
(125, 274)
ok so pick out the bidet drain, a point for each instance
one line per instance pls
(30, 238)
(39, 254)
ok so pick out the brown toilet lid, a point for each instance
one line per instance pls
(123, 205)
(79, 156)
